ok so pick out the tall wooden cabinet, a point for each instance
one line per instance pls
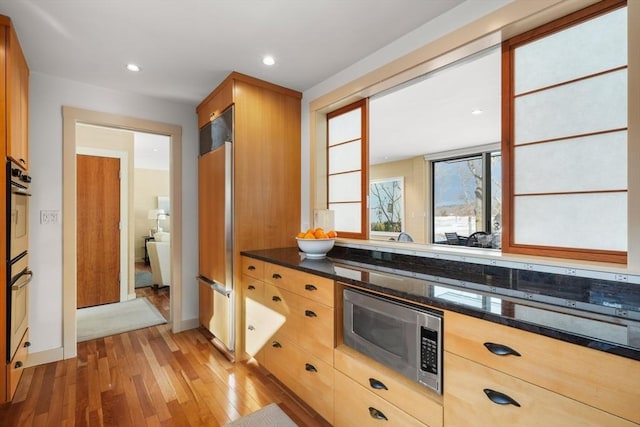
(14, 111)
(266, 209)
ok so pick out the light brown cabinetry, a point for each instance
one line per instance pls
(266, 170)
(14, 114)
(289, 324)
(366, 389)
(17, 102)
(563, 383)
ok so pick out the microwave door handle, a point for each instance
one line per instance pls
(18, 286)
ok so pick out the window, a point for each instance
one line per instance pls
(386, 207)
(346, 170)
(566, 136)
(467, 200)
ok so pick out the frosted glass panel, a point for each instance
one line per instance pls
(587, 221)
(345, 188)
(347, 216)
(346, 157)
(597, 162)
(593, 46)
(592, 105)
(345, 127)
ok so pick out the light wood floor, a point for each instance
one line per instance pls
(147, 377)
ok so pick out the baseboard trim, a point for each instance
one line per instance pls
(45, 356)
(184, 325)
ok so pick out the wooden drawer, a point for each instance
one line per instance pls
(15, 368)
(401, 392)
(596, 378)
(252, 288)
(308, 323)
(256, 322)
(357, 406)
(253, 267)
(307, 285)
(309, 377)
(467, 404)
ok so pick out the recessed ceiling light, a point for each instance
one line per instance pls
(477, 112)
(268, 60)
(133, 67)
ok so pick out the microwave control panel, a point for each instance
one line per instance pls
(429, 350)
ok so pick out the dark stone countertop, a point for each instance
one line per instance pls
(600, 314)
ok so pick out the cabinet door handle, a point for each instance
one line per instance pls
(378, 385)
(18, 365)
(500, 398)
(251, 268)
(310, 313)
(376, 414)
(276, 276)
(501, 349)
(276, 344)
(310, 287)
(251, 328)
(27, 344)
(251, 287)
(276, 298)
(310, 368)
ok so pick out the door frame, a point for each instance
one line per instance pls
(124, 210)
(70, 117)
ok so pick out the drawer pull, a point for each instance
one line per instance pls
(309, 287)
(500, 398)
(500, 349)
(251, 268)
(18, 365)
(251, 328)
(251, 287)
(310, 368)
(276, 298)
(276, 344)
(378, 385)
(376, 414)
(27, 344)
(276, 276)
(310, 313)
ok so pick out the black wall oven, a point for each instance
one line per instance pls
(18, 272)
(405, 338)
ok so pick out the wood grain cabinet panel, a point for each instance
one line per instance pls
(476, 395)
(17, 87)
(17, 365)
(408, 396)
(253, 268)
(357, 406)
(307, 285)
(599, 379)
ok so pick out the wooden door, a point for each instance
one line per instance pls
(98, 230)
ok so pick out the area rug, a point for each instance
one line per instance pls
(143, 279)
(271, 415)
(111, 319)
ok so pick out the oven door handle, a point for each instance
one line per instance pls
(18, 286)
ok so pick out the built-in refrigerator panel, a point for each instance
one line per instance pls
(215, 210)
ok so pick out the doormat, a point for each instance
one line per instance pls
(143, 279)
(270, 415)
(110, 319)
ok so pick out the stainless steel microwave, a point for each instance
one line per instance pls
(405, 338)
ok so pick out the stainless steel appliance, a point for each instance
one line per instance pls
(18, 273)
(215, 170)
(405, 338)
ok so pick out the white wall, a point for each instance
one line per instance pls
(457, 17)
(47, 96)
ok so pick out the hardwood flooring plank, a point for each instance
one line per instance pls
(148, 377)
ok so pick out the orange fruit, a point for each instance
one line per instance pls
(320, 234)
(300, 235)
(309, 236)
(332, 234)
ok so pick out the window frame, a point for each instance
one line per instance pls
(363, 104)
(508, 137)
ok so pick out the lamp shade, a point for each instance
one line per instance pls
(156, 214)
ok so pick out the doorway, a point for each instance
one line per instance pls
(71, 118)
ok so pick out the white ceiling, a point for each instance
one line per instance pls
(187, 47)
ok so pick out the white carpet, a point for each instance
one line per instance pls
(269, 416)
(111, 319)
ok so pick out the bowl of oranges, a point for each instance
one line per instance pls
(315, 243)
